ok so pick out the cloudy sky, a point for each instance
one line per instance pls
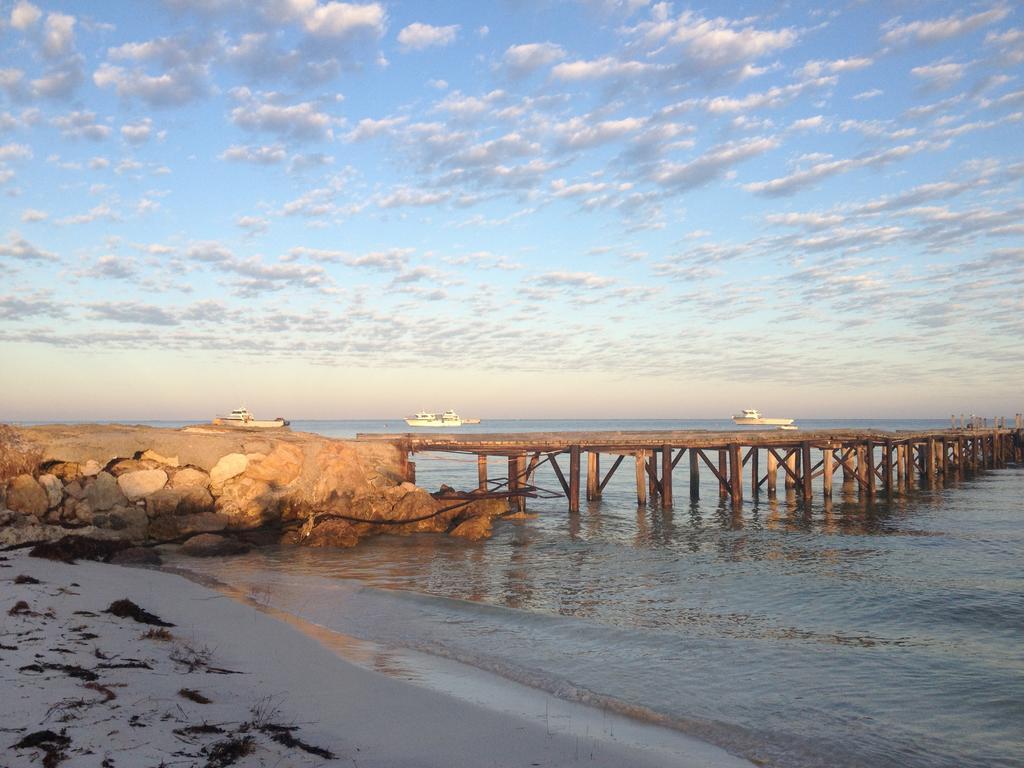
(596, 208)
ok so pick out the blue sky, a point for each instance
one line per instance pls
(325, 209)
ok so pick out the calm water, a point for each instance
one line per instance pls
(842, 635)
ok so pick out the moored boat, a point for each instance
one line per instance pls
(241, 417)
(448, 418)
(753, 417)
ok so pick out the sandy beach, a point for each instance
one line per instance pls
(231, 684)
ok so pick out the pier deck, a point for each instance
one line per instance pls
(877, 461)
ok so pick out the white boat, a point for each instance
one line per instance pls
(753, 417)
(240, 417)
(424, 419)
(447, 419)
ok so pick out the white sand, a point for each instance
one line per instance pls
(290, 674)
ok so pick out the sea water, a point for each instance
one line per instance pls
(840, 634)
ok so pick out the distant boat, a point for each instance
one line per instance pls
(753, 417)
(240, 417)
(447, 419)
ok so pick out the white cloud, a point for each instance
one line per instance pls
(24, 15)
(19, 248)
(711, 165)
(406, 196)
(15, 152)
(30, 215)
(343, 20)
(596, 69)
(583, 132)
(575, 279)
(822, 169)
(368, 128)
(263, 112)
(81, 125)
(58, 34)
(258, 155)
(523, 60)
(137, 132)
(941, 75)
(417, 36)
(869, 94)
(937, 30)
(817, 68)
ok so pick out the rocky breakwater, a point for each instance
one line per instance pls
(150, 485)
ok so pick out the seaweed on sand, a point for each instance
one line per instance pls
(126, 609)
(52, 745)
(71, 548)
(229, 751)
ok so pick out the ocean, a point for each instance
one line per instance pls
(828, 635)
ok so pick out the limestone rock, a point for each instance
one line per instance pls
(54, 489)
(74, 490)
(27, 496)
(280, 467)
(248, 503)
(91, 468)
(64, 470)
(142, 482)
(422, 509)
(212, 545)
(333, 533)
(129, 519)
(188, 477)
(169, 461)
(179, 501)
(229, 466)
(137, 556)
(103, 492)
(173, 527)
(473, 529)
(122, 466)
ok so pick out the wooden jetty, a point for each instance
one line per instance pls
(876, 462)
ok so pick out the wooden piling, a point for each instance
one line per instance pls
(653, 487)
(666, 476)
(901, 463)
(773, 474)
(755, 472)
(808, 470)
(481, 472)
(723, 472)
(869, 458)
(593, 475)
(887, 466)
(736, 475)
(827, 468)
(574, 478)
(790, 462)
(694, 474)
(641, 478)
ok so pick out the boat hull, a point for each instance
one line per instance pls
(252, 423)
(747, 421)
(433, 422)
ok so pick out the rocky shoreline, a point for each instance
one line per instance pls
(149, 485)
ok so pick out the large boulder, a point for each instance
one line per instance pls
(174, 527)
(473, 529)
(280, 467)
(91, 468)
(64, 470)
(212, 545)
(169, 461)
(228, 467)
(26, 495)
(142, 482)
(188, 477)
(248, 503)
(122, 466)
(179, 501)
(103, 493)
(54, 489)
(333, 533)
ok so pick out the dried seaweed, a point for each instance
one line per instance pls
(194, 695)
(126, 609)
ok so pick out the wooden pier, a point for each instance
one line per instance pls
(874, 462)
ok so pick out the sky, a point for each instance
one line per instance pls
(601, 208)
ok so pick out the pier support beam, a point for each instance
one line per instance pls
(755, 472)
(593, 475)
(653, 486)
(736, 475)
(887, 467)
(666, 476)
(869, 458)
(641, 478)
(791, 463)
(574, 478)
(723, 470)
(827, 468)
(901, 463)
(694, 474)
(481, 472)
(773, 475)
(806, 484)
